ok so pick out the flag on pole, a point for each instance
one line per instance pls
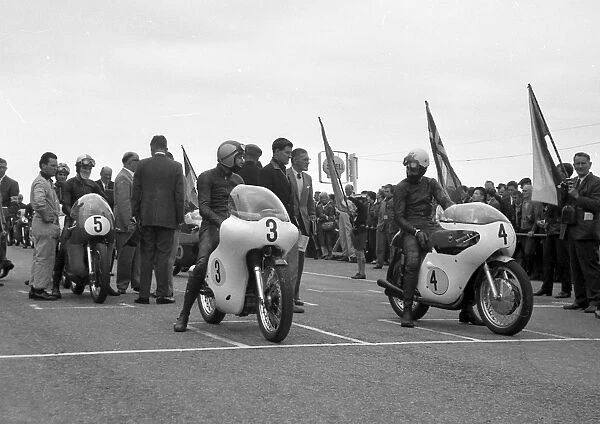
(545, 175)
(336, 183)
(446, 175)
(191, 195)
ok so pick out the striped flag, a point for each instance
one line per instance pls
(545, 175)
(446, 175)
(191, 195)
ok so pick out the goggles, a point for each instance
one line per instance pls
(63, 169)
(88, 162)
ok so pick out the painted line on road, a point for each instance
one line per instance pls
(292, 346)
(547, 306)
(219, 338)
(544, 334)
(310, 304)
(23, 291)
(433, 331)
(338, 276)
(118, 306)
(330, 333)
(375, 291)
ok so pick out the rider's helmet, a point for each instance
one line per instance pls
(63, 168)
(416, 160)
(85, 160)
(228, 151)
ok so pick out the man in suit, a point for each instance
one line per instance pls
(274, 177)
(128, 261)
(106, 185)
(157, 206)
(9, 188)
(252, 166)
(583, 235)
(303, 209)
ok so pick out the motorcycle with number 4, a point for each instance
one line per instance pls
(469, 262)
(247, 271)
(90, 245)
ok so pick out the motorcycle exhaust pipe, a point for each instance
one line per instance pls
(389, 287)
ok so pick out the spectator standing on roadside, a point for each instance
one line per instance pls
(359, 233)
(45, 228)
(346, 213)
(251, 169)
(371, 251)
(383, 245)
(583, 235)
(128, 259)
(107, 186)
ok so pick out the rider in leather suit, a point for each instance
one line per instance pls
(414, 212)
(213, 187)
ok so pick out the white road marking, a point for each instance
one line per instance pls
(23, 291)
(545, 334)
(292, 346)
(310, 304)
(376, 291)
(547, 306)
(117, 306)
(433, 331)
(219, 338)
(315, 290)
(330, 333)
(338, 276)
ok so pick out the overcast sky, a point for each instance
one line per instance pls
(104, 77)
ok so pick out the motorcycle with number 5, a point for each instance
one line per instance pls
(247, 271)
(90, 245)
(470, 263)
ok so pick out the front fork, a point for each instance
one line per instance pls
(255, 264)
(492, 283)
(88, 252)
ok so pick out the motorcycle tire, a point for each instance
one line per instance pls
(275, 315)
(99, 274)
(512, 312)
(209, 311)
(418, 310)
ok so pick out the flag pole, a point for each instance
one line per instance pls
(549, 135)
(189, 161)
(334, 169)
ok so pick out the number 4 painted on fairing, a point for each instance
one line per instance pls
(502, 234)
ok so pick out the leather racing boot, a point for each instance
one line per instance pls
(407, 319)
(191, 294)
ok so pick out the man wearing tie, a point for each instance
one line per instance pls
(583, 235)
(106, 185)
(303, 210)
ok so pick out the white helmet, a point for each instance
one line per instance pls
(228, 151)
(417, 155)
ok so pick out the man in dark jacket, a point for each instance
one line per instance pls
(9, 188)
(107, 185)
(251, 169)
(213, 188)
(273, 176)
(583, 235)
(157, 206)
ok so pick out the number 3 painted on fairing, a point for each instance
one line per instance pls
(272, 226)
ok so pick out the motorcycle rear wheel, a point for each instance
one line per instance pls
(512, 312)
(275, 315)
(418, 310)
(208, 309)
(99, 275)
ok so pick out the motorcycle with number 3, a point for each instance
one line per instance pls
(469, 262)
(247, 271)
(90, 245)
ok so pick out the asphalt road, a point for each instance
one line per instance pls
(345, 360)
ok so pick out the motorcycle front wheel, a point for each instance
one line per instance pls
(99, 275)
(208, 309)
(418, 310)
(511, 312)
(275, 315)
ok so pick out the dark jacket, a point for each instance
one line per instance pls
(8, 189)
(250, 173)
(76, 187)
(213, 188)
(413, 203)
(275, 179)
(109, 192)
(158, 195)
(587, 210)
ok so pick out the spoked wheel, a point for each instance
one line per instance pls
(99, 274)
(275, 315)
(511, 312)
(418, 309)
(209, 311)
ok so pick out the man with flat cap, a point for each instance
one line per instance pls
(157, 206)
(252, 166)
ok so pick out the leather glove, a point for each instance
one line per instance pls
(422, 238)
